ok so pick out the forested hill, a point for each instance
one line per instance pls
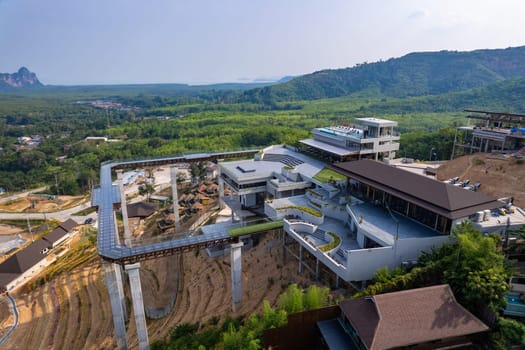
(415, 74)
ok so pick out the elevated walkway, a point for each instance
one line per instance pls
(107, 195)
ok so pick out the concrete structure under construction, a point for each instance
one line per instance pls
(491, 132)
(117, 251)
(352, 217)
(355, 217)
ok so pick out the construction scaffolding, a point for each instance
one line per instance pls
(498, 132)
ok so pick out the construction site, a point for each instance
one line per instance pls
(153, 269)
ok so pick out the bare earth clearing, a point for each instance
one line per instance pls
(500, 176)
(34, 204)
(73, 311)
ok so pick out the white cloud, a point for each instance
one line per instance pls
(418, 14)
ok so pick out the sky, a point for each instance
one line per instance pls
(74, 42)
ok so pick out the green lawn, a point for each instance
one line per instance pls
(327, 175)
(246, 230)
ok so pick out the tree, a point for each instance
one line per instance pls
(471, 264)
(147, 190)
(475, 269)
(197, 171)
(291, 301)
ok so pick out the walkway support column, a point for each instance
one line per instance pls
(124, 207)
(138, 305)
(236, 270)
(221, 187)
(317, 269)
(300, 258)
(173, 173)
(116, 296)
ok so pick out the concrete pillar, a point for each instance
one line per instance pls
(300, 258)
(124, 207)
(221, 188)
(236, 270)
(120, 288)
(138, 305)
(173, 174)
(336, 281)
(115, 298)
(283, 246)
(317, 269)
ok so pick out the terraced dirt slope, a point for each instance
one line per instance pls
(499, 175)
(73, 312)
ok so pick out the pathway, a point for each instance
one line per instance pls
(14, 311)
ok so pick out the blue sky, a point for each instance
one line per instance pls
(207, 41)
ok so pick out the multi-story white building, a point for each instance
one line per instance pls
(355, 217)
(371, 138)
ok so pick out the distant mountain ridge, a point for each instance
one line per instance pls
(19, 80)
(415, 74)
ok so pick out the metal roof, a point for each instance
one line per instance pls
(106, 195)
(441, 198)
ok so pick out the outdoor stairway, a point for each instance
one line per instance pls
(341, 254)
(319, 234)
(285, 159)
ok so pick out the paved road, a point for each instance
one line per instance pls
(22, 194)
(59, 215)
(162, 179)
(14, 310)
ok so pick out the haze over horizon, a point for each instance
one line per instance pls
(126, 41)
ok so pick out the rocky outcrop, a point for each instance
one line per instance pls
(19, 80)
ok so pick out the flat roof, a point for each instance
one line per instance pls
(328, 148)
(335, 336)
(436, 196)
(376, 121)
(251, 170)
(244, 170)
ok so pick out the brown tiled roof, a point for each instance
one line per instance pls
(69, 225)
(439, 197)
(22, 261)
(410, 317)
(141, 209)
(55, 235)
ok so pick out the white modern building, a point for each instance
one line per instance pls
(371, 138)
(356, 217)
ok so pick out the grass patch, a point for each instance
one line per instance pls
(246, 230)
(305, 209)
(327, 175)
(332, 244)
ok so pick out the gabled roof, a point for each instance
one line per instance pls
(56, 235)
(22, 261)
(439, 197)
(141, 209)
(68, 225)
(410, 317)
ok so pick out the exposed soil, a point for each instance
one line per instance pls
(499, 175)
(73, 311)
(35, 204)
(8, 230)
